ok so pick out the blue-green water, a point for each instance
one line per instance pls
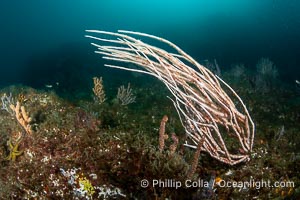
(42, 41)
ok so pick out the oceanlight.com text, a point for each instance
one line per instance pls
(257, 184)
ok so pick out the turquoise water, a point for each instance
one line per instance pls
(38, 37)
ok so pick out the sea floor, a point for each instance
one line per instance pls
(86, 150)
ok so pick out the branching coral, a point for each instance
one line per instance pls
(98, 90)
(206, 110)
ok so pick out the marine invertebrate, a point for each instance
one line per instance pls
(13, 149)
(125, 95)
(162, 135)
(195, 160)
(206, 111)
(266, 67)
(173, 146)
(267, 74)
(86, 186)
(82, 187)
(98, 90)
(22, 116)
(6, 102)
(238, 71)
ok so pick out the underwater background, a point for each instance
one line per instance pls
(42, 42)
(48, 66)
